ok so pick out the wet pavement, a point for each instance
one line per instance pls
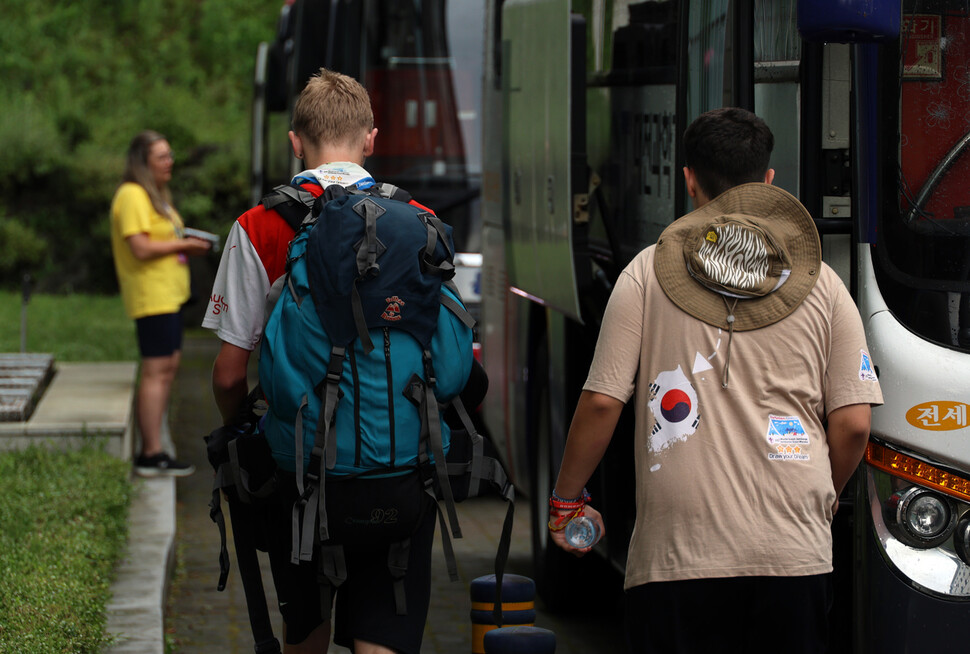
(200, 619)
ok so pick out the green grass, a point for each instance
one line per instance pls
(71, 327)
(63, 524)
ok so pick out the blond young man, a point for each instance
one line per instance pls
(333, 132)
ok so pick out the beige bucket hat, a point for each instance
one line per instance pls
(748, 257)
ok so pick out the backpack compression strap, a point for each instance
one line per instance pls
(367, 267)
(436, 233)
(456, 307)
(323, 456)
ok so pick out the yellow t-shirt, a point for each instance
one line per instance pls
(155, 286)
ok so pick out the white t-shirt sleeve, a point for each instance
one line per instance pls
(238, 300)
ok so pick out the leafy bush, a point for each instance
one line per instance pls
(78, 80)
(21, 248)
(63, 524)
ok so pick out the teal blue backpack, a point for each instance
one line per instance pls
(348, 357)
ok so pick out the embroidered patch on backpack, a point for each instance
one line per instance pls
(393, 311)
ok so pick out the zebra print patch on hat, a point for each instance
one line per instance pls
(734, 256)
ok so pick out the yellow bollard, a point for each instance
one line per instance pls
(518, 606)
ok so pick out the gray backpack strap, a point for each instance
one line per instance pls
(393, 192)
(274, 295)
(323, 456)
(397, 564)
(367, 267)
(295, 549)
(331, 573)
(456, 307)
(436, 233)
(292, 203)
(421, 393)
(451, 561)
(286, 193)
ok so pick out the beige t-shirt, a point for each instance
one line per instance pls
(731, 481)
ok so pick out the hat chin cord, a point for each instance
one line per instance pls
(730, 321)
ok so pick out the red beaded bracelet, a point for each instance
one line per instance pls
(562, 504)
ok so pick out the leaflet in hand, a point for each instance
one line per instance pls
(204, 235)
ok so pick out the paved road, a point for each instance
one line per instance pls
(200, 619)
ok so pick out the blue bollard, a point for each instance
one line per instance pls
(520, 640)
(518, 606)
(849, 21)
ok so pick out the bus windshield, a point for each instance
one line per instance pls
(422, 64)
(923, 251)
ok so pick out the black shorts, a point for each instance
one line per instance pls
(748, 615)
(364, 604)
(159, 336)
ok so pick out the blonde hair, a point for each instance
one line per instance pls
(137, 170)
(333, 109)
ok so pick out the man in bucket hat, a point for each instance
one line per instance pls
(747, 363)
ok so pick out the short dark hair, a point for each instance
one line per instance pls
(726, 147)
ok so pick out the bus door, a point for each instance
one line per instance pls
(914, 525)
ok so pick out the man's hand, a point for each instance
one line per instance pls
(559, 537)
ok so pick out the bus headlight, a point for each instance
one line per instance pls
(921, 518)
(961, 539)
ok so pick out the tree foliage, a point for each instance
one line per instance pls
(78, 80)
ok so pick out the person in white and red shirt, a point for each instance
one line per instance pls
(333, 133)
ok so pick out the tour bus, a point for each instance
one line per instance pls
(584, 108)
(422, 65)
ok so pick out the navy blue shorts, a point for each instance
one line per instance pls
(743, 615)
(159, 336)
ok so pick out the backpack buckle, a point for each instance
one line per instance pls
(313, 478)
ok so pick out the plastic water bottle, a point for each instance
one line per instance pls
(581, 532)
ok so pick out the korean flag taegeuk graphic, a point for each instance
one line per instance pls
(673, 402)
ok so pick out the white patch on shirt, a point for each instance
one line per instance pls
(787, 440)
(701, 364)
(866, 371)
(673, 402)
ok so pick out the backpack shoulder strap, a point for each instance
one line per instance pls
(292, 203)
(393, 192)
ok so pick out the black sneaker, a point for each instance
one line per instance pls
(162, 465)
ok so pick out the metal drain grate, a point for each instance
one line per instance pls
(23, 379)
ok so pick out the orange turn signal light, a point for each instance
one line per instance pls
(916, 471)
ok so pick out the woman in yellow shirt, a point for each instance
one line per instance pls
(150, 256)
